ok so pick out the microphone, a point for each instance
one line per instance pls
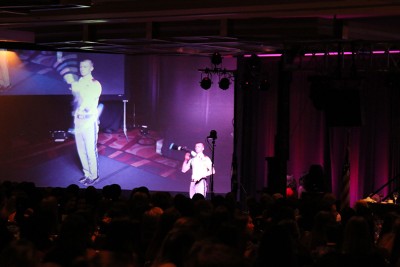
(213, 134)
(173, 146)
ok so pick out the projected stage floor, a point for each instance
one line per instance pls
(130, 160)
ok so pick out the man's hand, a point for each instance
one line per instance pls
(185, 164)
(69, 78)
(187, 156)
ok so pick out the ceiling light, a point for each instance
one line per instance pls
(205, 83)
(225, 76)
(224, 83)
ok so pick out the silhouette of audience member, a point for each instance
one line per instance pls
(139, 203)
(105, 258)
(165, 224)
(20, 253)
(175, 248)
(73, 227)
(42, 225)
(277, 248)
(183, 204)
(389, 237)
(323, 234)
(358, 244)
(162, 200)
(245, 228)
(205, 253)
(149, 225)
(313, 181)
(302, 253)
(122, 240)
(6, 236)
(394, 256)
(358, 248)
(72, 242)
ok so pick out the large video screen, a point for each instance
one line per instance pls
(36, 72)
(164, 107)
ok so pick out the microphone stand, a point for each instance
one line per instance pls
(212, 169)
(124, 122)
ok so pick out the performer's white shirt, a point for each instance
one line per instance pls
(87, 92)
(201, 166)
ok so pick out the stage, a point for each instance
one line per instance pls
(130, 159)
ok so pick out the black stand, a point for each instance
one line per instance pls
(212, 169)
(124, 129)
(124, 122)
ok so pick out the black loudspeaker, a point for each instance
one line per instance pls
(343, 108)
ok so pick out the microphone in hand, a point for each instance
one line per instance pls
(187, 156)
(183, 148)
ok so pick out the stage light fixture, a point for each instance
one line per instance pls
(205, 83)
(216, 58)
(224, 83)
(225, 76)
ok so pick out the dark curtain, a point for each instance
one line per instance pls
(368, 121)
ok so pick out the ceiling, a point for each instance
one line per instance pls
(184, 27)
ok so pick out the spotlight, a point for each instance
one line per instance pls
(206, 83)
(216, 58)
(225, 76)
(224, 83)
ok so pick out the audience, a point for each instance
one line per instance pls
(73, 227)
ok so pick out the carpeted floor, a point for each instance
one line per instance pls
(133, 149)
(138, 150)
(132, 160)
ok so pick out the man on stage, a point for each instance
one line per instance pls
(201, 166)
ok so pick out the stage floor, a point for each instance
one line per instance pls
(130, 160)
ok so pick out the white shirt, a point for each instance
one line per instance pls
(87, 92)
(201, 166)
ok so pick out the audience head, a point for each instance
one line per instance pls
(208, 254)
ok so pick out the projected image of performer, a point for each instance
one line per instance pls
(86, 92)
(201, 166)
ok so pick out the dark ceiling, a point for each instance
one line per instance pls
(185, 27)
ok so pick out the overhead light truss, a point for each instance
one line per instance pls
(225, 76)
